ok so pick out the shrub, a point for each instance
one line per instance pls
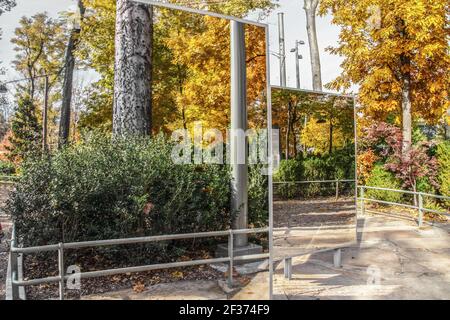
(7, 168)
(443, 158)
(382, 178)
(258, 197)
(338, 165)
(103, 190)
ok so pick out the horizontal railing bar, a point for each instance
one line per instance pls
(388, 202)
(318, 181)
(250, 231)
(387, 189)
(436, 211)
(110, 272)
(251, 257)
(406, 192)
(99, 243)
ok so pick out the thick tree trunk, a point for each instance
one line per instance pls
(64, 123)
(133, 69)
(311, 9)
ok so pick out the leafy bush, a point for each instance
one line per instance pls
(338, 165)
(443, 157)
(7, 168)
(382, 178)
(258, 197)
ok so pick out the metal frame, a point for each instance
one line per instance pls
(62, 277)
(269, 107)
(337, 249)
(198, 11)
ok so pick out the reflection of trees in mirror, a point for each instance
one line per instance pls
(191, 59)
(322, 123)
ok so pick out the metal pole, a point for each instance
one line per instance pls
(45, 116)
(61, 270)
(238, 141)
(231, 255)
(282, 49)
(297, 63)
(337, 190)
(337, 258)
(420, 210)
(14, 268)
(362, 202)
(288, 268)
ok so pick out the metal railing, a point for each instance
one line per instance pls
(60, 247)
(336, 183)
(417, 195)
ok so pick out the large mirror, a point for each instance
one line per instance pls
(314, 187)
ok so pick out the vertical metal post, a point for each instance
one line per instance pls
(282, 49)
(420, 210)
(337, 258)
(297, 63)
(363, 209)
(231, 256)
(337, 190)
(288, 268)
(61, 270)
(14, 268)
(238, 141)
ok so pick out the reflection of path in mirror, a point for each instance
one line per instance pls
(393, 261)
(301, 226)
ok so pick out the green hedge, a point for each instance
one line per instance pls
(443, 156)
(382, 178)
(338, 165)
(104, 190)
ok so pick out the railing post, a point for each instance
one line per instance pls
(14, 266)
(61, 270)
(337, 258)
(337, 189)
(420, 210)
(14, 275)
(288, 268)
(363, 209)
(231, 256)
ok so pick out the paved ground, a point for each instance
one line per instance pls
(393, 260)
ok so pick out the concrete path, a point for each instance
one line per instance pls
(393, 260)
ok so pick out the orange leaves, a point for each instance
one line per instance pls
(415, 29)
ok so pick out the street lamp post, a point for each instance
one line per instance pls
(298, 57)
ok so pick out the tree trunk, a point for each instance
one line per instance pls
(330, 151)
(311, 9)
(288, 129)
(406, 115)
(133, 69)
(64, 123)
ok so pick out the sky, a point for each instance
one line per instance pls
(295, 29)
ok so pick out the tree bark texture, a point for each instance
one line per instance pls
(69, 66)
(311, 9)
(133, 70)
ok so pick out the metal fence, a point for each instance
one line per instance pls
(337, 183)
(418, 196)
(60, 247)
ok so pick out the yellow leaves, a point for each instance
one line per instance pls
(415, 29)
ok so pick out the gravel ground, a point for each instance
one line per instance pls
(137, 281)
(314, 213)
